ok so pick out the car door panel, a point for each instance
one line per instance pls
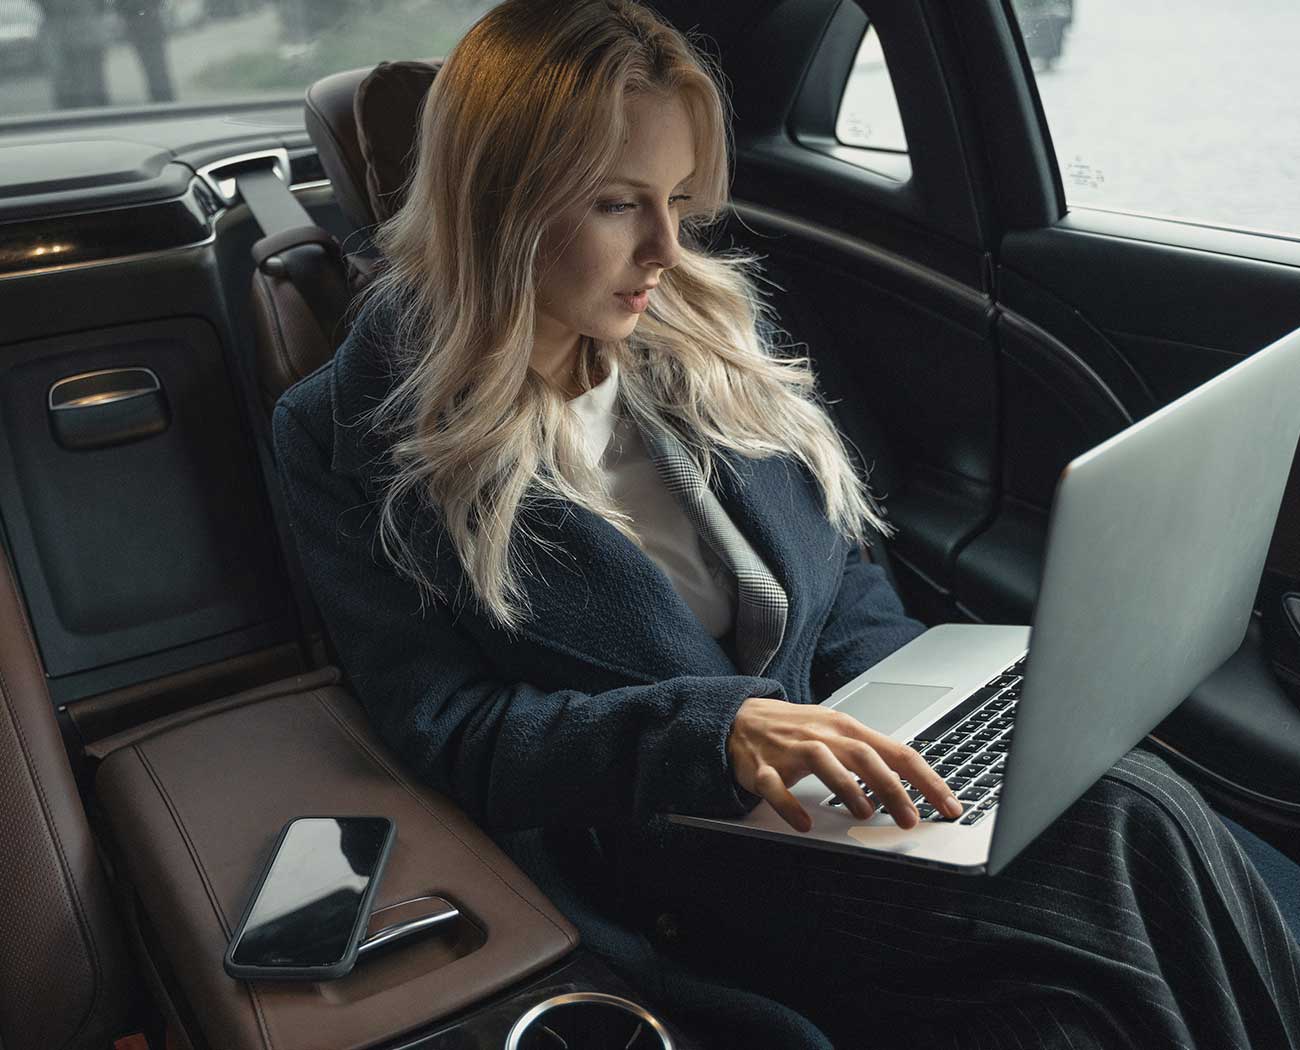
(884, 279)
(1087, 330)
(148, 554)
(1153, 307)
(899, 351)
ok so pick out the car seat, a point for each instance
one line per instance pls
(65, 977)
(362, 123)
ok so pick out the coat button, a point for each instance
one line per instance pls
(668, 928)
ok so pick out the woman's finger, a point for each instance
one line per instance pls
(908, 762)
(820, 760)
(915, 769)
(769, 786)
(876, 774)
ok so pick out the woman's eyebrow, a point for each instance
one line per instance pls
(617, 180)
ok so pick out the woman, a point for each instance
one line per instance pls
(589, 550)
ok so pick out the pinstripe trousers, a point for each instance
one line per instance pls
(1134, 921)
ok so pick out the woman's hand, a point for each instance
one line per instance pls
(774, 744)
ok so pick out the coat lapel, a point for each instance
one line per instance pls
(584, 577)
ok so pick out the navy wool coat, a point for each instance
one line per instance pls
(612, 705)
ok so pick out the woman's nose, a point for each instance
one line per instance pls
(659, 246)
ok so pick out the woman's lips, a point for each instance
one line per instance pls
(635, 303)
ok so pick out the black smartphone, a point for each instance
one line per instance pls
(313, 899)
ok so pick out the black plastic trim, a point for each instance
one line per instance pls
(1226, 782)
(947, 296)
(103, 236)
(68, 239)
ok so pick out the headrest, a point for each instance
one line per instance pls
(363, 123)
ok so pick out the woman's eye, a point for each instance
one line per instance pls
(621, 207)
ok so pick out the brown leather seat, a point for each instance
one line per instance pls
(65, 977)
(362, 122)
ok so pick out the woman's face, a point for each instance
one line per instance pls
(590, 252)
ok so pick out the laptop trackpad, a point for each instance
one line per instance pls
(888, 706)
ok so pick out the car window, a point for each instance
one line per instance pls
(73, 54)
(868, 115)
(1174, 108)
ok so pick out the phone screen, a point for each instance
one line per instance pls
(306, 908)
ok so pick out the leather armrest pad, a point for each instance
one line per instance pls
(194, 810)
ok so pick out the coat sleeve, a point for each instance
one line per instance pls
(512, 755)
(865, 624)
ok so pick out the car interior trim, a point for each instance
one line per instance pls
(517, 1034)
(108, 236)
(933, 279)
(1044, 340)
(220, 174)
(1017, 143)
(104, 236)
(1170, 231)
(66, 395)
(1225, 782)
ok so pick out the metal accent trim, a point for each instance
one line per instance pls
(224, 185)
(524, 1022)
(102, 399)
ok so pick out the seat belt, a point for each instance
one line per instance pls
(271, 201)
(285, 224)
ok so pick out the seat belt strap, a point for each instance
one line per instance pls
(285, 224)
(272, 203)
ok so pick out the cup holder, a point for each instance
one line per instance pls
(588, 1021)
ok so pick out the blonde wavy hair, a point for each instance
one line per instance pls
(526, 115)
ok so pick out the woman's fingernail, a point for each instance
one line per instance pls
(952, 805)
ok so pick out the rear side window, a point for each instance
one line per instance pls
(1183, 109)
(868, 120)
(869, 112)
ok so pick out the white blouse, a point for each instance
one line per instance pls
(613, 441)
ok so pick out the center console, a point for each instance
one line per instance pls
(191, 806)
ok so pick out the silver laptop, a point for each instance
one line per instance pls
(1156, 543)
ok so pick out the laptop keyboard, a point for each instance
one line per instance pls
(968, 748)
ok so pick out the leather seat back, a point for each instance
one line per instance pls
(65, 976)
(363, 123)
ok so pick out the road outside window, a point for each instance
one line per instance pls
(77, 54)
(1184, 109)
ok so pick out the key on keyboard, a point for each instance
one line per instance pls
(972, 740)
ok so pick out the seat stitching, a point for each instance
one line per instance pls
(192, 849)
(401, 782)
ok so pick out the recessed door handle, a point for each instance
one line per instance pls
(112, 406)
